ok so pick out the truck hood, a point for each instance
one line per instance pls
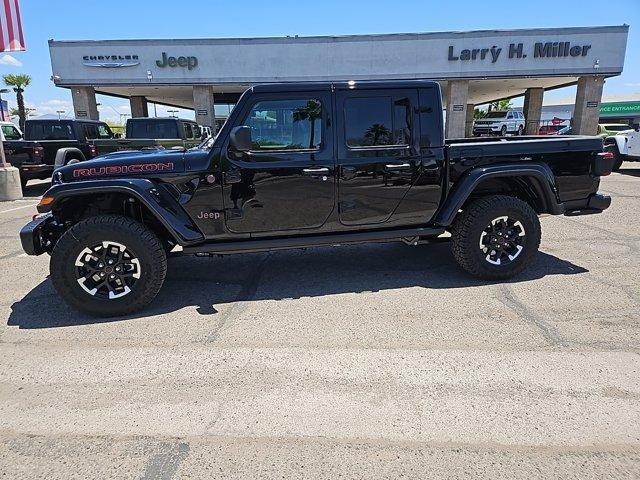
(145, 163)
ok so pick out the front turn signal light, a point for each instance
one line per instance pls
(44, 201)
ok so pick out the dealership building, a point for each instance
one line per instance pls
(473, 68)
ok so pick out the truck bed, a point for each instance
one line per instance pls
(516, 146)
(571, 159)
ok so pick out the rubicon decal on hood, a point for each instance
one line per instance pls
(123, 169)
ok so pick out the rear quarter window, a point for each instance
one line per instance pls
(49, 131)
(152, 129)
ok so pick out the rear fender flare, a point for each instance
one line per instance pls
(67, 152)
(164, 207)
(541, 177)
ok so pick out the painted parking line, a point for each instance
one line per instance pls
(18, 208)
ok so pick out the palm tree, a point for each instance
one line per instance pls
(378, 131)
(28, 111)
(18, 82)
(312, 111)
(500, 105)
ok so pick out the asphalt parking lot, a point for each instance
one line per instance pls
(378, 361)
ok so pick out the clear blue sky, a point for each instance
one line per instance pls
(93, 20)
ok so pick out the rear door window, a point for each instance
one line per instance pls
(90, 131)
(188, 131)
(377, 121)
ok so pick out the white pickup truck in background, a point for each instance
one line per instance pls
(625, 146)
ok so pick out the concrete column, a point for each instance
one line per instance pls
(84, 103)
(532, 110)
(203, 104)
(139, 107)
(468, 127)
(587, 110)
(456, 100)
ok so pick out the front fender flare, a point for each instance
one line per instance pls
(540, 173)
(164, 207)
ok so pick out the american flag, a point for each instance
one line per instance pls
(11, 37)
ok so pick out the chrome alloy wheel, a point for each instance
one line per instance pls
(502, 240)
(107, 270)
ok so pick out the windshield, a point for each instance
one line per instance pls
(48, 131)
(616, 128)
(495, 115)
(10, 132)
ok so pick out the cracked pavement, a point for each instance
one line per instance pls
(372, 361)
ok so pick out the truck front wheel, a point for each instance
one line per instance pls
(495, 237)
(108, 265)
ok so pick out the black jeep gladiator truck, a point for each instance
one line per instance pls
(153, 132)
(309, 164)
(63, 142)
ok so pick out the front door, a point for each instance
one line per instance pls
(286, 182)
(378, 154)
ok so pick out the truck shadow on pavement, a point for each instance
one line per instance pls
(207, 282)
(634, 172)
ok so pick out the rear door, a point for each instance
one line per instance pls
(378, 154)
(286, 183)
(511, 122)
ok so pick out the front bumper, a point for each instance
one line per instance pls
(36, 236)
(596, 203)
(485, 130)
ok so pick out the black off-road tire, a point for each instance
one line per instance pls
(144, 243)
(468, 228)
(503, 131)
(520, 131)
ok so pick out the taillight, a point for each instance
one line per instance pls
(93, 151)
(603, 164)
(38, 152)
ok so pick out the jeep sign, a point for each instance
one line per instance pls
(189, 62)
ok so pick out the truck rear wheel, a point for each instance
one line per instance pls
(108, 265)
(495, 237)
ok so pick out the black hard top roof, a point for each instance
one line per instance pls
(139, 119)
(83, 120)
(342, 85)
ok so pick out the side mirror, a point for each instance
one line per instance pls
(240, 139)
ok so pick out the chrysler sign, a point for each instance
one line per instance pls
(110, 61)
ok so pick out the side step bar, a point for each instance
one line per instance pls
(408, 235)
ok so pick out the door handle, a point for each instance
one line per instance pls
(398, 166)
(315, 171)
(232, 176)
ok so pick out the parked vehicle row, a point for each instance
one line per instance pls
(50, 143)
(302, 165)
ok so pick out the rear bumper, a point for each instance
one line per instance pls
(34, 236)
(36, 171)
(596, 203)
